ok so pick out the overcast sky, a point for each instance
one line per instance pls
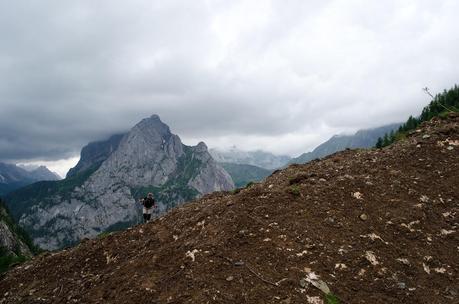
(282, 75)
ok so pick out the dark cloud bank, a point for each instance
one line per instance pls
(278, 75)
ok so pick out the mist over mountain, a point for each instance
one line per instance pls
(257, 158)
(95, 153)
(101, 192)
(361, 139)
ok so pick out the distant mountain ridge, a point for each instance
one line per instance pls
(13, 177)
(365, 138)
(100, 193)
(257, 158)
(243, 174)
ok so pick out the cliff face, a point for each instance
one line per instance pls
(147, 159)
(12, 240)
(95, 153)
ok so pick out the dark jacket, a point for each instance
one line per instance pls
(148, 202)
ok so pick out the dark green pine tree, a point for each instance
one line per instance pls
(391, 136)
(385, 141)
(379, 143)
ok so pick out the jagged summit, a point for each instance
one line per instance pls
(101, 192)
(377, 226)
(153, 127)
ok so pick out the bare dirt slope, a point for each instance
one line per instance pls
(378, 226)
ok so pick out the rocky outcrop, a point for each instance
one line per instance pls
(12, 243)
(149, 158)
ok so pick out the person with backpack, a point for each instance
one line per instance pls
(148, 206)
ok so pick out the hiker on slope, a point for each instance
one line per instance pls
(148, 206)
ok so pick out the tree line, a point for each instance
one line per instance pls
(441, 104)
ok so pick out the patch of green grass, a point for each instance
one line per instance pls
(103, 234)
(294, 190)
(331, 299)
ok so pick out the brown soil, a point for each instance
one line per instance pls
(378, 226)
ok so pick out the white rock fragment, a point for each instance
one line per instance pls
(270, 186)
(440, 270)
(426, 268)
(191, 254)
(314, 300)
(267, 240)
(340, 266)
(371, 257)
(404, 261)
(446, 214)
(446, 232)
(314, 279)
(175, 237)
(409, 226)
(424, 198)
(300, 254)
(373, 237)
(357, 195)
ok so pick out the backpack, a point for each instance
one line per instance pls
(148, 202)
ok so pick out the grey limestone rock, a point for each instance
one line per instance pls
(149, 158)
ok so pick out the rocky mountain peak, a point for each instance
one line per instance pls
(152, 127)
(101, 192)
(201, 147)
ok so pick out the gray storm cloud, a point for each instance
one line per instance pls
(279, 75)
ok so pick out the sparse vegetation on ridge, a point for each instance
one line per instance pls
(443, 103)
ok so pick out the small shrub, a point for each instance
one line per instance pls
(236, 191)
(294, 190)
(9, 260)
(250, 184)
(103, 234)
(331, 299)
